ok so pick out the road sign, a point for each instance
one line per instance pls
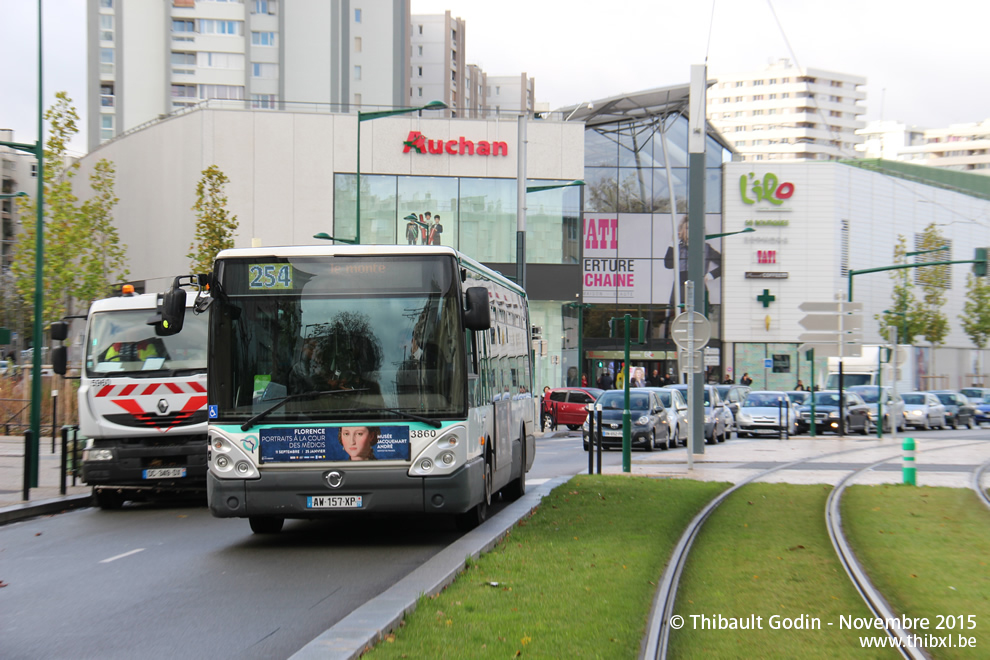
(768, 363)
(833, 307)
(832, 322)
(682, 322)
(699, 361)
(831, 349)
(831, 337)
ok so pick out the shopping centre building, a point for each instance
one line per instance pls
(608, 248)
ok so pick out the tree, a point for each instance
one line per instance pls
(903, 309)
(82, 252)
(976, 310)
(61, 234)
(934, 281)
(215, 226)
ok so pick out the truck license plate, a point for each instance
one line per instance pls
(164, 473)
(333, 502)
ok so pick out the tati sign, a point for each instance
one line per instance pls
(459, 147)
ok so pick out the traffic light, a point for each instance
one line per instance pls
(980, 262)
(600, 364)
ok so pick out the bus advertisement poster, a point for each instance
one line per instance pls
(334, 443)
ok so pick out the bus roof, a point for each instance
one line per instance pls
(367, 251)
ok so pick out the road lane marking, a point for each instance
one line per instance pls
(126, 554)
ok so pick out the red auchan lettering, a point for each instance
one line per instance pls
(459, 147)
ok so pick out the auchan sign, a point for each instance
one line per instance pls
(459, 147)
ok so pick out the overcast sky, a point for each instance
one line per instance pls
(925, 63)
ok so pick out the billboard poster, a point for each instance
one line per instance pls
(629, 258)
(334, 443)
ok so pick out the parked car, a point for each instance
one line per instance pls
(855, 413)
(923, 410)
(649, 420)
(958, 410)
(766, 412)
(884, 398)
(975, 394)
(732, 396)
(570, 404)
(982, 414)
(715, 428)
(677, 413)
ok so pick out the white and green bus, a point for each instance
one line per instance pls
(364, 379)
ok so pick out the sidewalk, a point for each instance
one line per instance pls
(738, 459)
(47, 497)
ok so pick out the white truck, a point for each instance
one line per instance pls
(142, 400)
(865, 369)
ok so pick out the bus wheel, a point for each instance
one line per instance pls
(261, 525)
(517, 487)
(108, 500)
(479, 512)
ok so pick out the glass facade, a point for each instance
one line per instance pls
(629, 238)
(476, 216)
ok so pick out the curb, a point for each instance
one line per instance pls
(351, 636)
(16, 512)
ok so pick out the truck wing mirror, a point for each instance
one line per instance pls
(59, 360)
(59, 331)
(477, 313)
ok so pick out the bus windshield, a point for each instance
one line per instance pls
(121, 343)
(341, 338)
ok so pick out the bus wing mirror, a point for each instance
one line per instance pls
(171, 311)
(59, 360)
(477, 313)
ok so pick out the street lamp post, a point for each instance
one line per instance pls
(747, 230)
(363, 117)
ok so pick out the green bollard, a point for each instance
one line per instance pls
(909, 469)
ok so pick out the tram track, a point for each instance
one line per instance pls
(655, 643)
(977, 484)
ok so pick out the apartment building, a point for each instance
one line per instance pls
(958, 147)
(148, 59)
(887, 139)
(785, 112)
(511, 93)
(18, 170)
(438, 70)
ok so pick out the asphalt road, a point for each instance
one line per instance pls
(167, 581)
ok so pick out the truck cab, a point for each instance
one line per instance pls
(142, 402)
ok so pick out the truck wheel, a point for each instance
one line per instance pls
(108, 500)
(265, 525)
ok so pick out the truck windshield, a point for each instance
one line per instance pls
(848, 380)
(384, 336)
(121, 343)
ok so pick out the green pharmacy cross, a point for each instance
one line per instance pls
(766, 298)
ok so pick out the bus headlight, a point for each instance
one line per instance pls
(442, 456)
(228, 460)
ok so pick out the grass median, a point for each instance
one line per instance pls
(574, 580)
(928, 551)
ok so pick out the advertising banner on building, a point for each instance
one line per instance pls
(629, 258)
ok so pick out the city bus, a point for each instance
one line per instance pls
(350, 380)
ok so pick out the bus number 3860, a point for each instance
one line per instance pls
(422, 434)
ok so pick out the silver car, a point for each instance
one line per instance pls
(892, 405)
(714, 415)
(677, 412)
(923, 410)
(766, 413)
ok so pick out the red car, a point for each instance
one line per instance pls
(570, 404)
